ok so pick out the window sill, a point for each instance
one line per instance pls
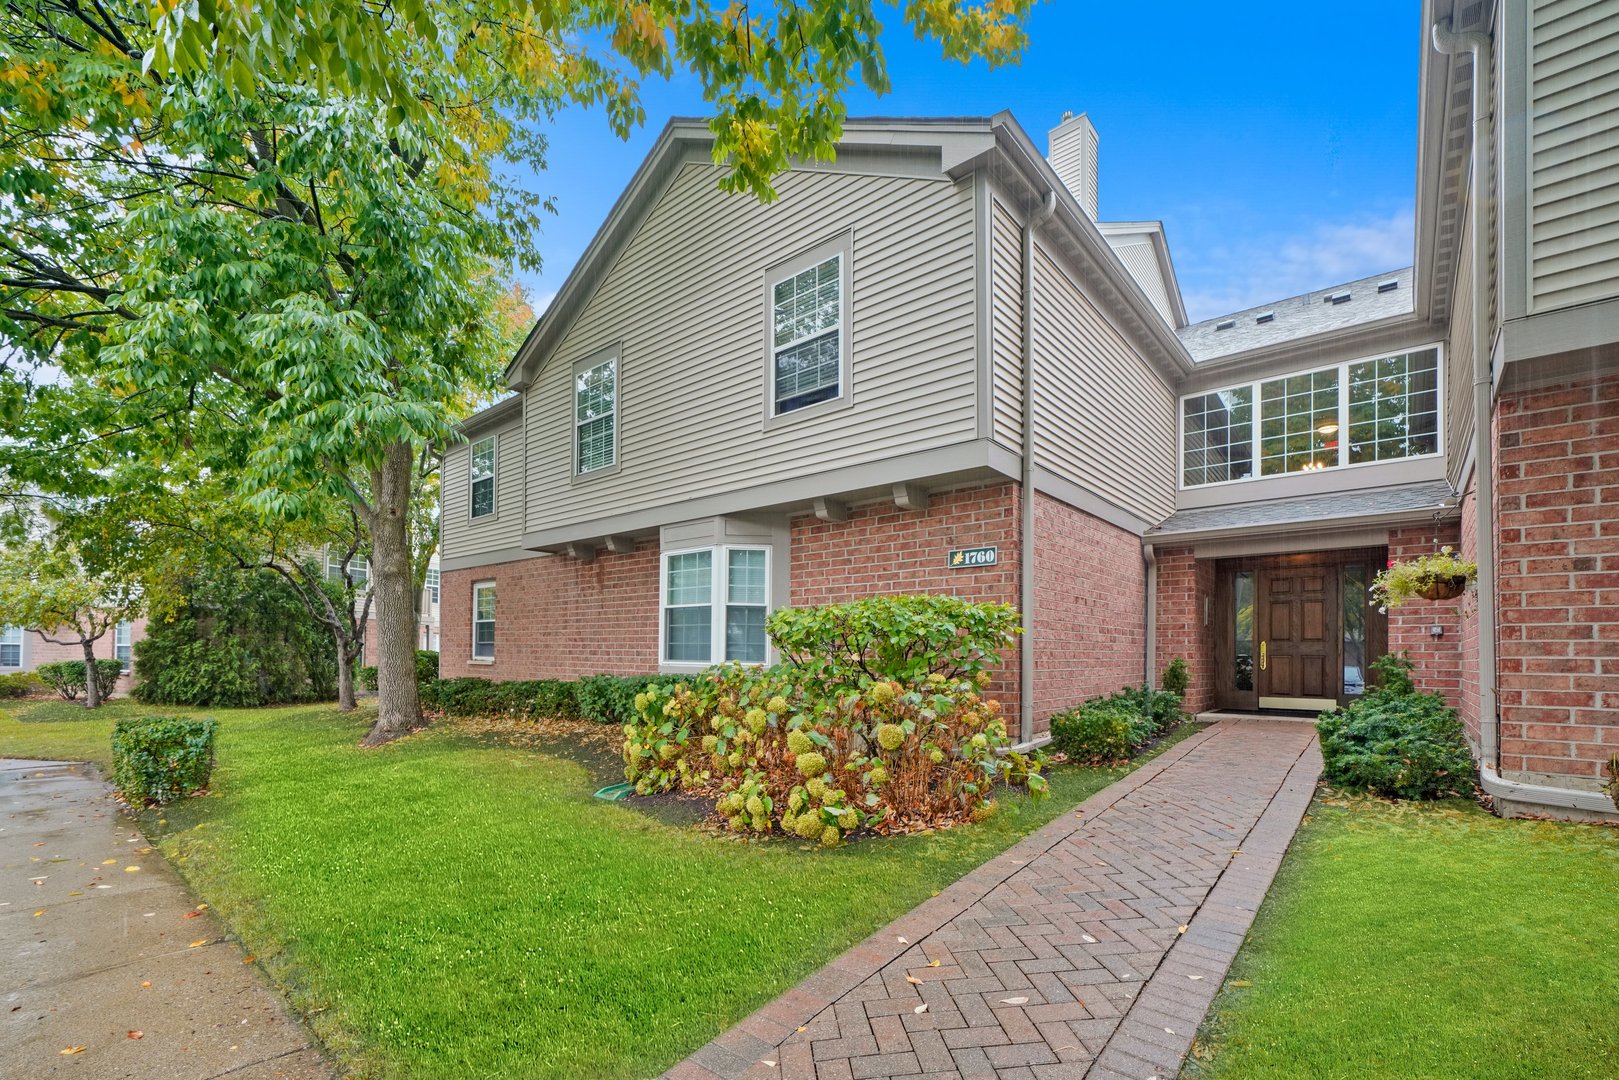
(808, 412)
(478, 661)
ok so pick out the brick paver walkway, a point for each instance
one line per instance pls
(1065, 956)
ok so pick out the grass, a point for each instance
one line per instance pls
(1426, 941)
(452, 905)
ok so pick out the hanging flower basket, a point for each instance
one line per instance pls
(1442, 575)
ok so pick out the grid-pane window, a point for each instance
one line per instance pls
(122, 650)
(688, 608)
(745, 601)
(595, 404)
(483, 477)
(10, 646)
(432, 584)
(1219, 443)
(1394, 407)
(1298, 423)
(806, 336)
(483, 621)
(359, 568)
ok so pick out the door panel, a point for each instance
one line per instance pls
(1300, 668)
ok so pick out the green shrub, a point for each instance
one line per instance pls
(234, 639)
(554, 699)
(426, 667)
(366, 677)
(1101, 730)
(1395, 741)
(902, 639)
(1177, 677)
(610, 699)
(20, 684)
(472, 696)
(66, 677)
(157, 759)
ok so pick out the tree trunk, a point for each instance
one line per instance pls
(92, 685)
(398, 710)
(345, 674)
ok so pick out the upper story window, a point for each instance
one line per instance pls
(432, 584)
(714, 605)
(807, 331)
(359, 568)
(122, 649)
(595, 415)
(1357, 413)
(483, 477)
(10, 646)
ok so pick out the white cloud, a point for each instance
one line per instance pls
(1260, 269)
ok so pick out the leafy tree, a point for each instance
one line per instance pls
(69, 599)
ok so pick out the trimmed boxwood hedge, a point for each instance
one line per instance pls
(157, 759)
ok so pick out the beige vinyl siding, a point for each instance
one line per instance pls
(1573, 152)
(1458, 374)
(1006, 328)
(1106, 419)
(460, 536)
(685, 303)
(1142, 262)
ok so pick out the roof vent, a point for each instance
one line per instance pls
(1226, 324)
(1338, 297)
(1269, 316)
(1388, 286)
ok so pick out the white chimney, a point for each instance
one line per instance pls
(1071, 149)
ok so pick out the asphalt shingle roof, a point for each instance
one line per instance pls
(1304, 509)
(1299, 316)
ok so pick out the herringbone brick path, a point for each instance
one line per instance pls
(1065, 956)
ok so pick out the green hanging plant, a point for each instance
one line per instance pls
(1443, 575)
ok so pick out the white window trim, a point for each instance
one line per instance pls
(719, 580)
(841, 246)
(22, 646)
(473, 657)
(494, 477)
(1343, 419)
(334, 569)
(126, 631)
(612, 354)
(433, 581)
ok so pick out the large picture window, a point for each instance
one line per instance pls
(483, 477)
(10, 646)
(595, 415)
(483, 621)
(806, 335)
(1365, 411)
(714, 605)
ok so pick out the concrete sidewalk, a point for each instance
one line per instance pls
(103, 949)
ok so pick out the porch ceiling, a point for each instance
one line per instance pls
(1372, 506)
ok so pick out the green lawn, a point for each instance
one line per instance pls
(1423, 942)
(452, 905)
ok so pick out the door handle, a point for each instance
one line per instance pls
(1262, 656)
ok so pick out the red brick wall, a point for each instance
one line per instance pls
(1558, 560)
(1466, 700)
(1090, 603)
(557, 617)
(1185, 593)
(1438, 660)
(38, 651)
(884, 550)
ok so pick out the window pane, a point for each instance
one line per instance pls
(688, 635)
(483, 458)
(1394, 407)
(484, 604)
(808, 372)
(483, 497)
(594, 405)
(1298, 426)
(596, 444)
(1242, 591)
(806, 303)
(747, 577)
(745, 634)
(11, 646)
(483, 640)
(1354, 620)
(1219, 437)
(689, 578)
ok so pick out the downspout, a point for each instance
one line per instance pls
(1452, 43)
(1026, 479)
(1150, 558)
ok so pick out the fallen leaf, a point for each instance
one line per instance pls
(76, 892)
(148, 982)
(1169, 1031)
(109, 862)
(192, 914)
(199, 943)
(38, 913)
(72, 1050)
(1241, 982)
(1182, 929)
(922, 1008)
(1087, 939)
(1236, 851)
(132, 869)
(768, 1062)
(902, 941)
(202, 907)
(143, 851)
(39, 843)
(248, 959)
(1194, 978)
(934, 964)
(913, 980)
(133, 1034)
(1015, 1001)
(801, 1028)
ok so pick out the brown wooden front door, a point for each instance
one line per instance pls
(1300, 664)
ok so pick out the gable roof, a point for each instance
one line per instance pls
(1154, 273)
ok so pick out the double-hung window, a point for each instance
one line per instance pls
(10, 646)
(483, 477)
(359, 569)
(714, 605)
(595, 415)
(122, 650)
(483, 621)
(807, 335)
(432, 584)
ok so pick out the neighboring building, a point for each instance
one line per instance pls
(427, 616)
(927, 367)
(22, 649)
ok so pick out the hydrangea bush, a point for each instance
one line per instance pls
(831, 743)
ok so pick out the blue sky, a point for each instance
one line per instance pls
(1278, 150)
